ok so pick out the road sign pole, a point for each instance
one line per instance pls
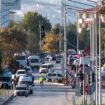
(84, 101)
(40, 41)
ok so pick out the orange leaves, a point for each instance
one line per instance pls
(51, 43)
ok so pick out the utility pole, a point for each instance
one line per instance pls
(61, 24)
(40, 41)
(100, 94)
(65, 38)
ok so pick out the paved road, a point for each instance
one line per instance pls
(49, 94)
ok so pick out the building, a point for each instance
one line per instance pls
(85, 17)
(11, 16)
(6, 16)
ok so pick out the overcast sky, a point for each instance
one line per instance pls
(51, 11)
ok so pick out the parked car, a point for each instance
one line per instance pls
(20, 72)
(54, 77)
(27, 80)
(47, 67)
(6, 79)
(21, 89)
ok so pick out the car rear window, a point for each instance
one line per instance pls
(21, 88)
(59, 75)
(49, 74)
(21, 58)
(34, 60)
(54, 74)
(21, 72)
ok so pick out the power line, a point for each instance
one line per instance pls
(82, 3)
(75, 7)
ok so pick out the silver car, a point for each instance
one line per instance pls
(21, 89)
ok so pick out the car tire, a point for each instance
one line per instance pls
(26, 95)
(31, 91)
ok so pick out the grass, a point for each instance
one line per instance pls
(1, 91)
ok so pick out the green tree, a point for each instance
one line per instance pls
(84, 39)
(31, 22)
(103, 40)
(56, 29)
(71, 36)
(12, 40)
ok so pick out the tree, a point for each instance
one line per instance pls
(103, 40)
(51, 43)
(31, 22)
(56, 29)
(102, 9)
(71, 36)
(12, 40)
(84, 39)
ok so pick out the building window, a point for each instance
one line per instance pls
(87, 15)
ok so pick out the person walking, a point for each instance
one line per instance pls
(41, 79)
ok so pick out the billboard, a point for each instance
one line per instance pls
(10, 4)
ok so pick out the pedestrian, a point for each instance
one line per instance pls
(41, 79)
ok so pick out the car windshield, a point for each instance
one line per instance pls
(44, 66)
(7, 79)
(47, 66)
(21, 72)
(21, 88)
(26, 82)
(34, 60)
(49, 74)
(54, 74)
(21, 58)
(59, 75)
(27, 69)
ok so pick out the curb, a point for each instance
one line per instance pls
(8, 100)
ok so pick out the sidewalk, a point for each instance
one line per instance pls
(6, 96)
(79, 99)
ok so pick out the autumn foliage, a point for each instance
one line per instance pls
(51, 43)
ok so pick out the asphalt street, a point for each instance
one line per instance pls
(48, 94)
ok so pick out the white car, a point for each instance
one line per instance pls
(21, 72)
(47, 67)
(27, 80)
(21, 89)
(54, 77)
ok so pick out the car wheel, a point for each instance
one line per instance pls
(31, 91)
(26, 95)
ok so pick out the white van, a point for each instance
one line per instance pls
(34, 61)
